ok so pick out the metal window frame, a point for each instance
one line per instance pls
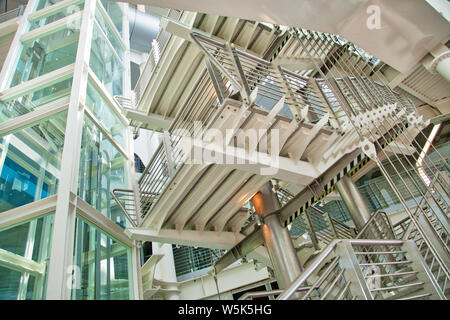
(48, 11)
(50, 28)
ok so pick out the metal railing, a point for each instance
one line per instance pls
(378, 227)
(358, 269)
(392, 132)
(125, 102)
(260, 294)
(270, 293)
(401, 227)
(430, 213)
(437, 269)
(304, 100)
(199, 107)
(126, 200)
(321, 287)
(190, 259)
(321, 227)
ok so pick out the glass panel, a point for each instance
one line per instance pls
(45, 3)
(30, 240)
(115, 13)
(105, 64)
(107, 29)
(34, 100)
(46, 54)
(56, 15)
(102, 169)
(105, 115)
(104, 265)
(32, 157)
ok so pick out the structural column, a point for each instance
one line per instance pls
(439, 61)
(277, 239)
(165, 269)
(353, 200)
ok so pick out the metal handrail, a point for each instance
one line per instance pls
(262, 294)
(308, 272)
(288, 293)
(122, 208)
(259, 294)
(374, 217)
(328, 231)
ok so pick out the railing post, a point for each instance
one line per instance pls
(216, 79)
(240, 73)
(312, 233)
(353, 272)
(295, 106)
(332, 227)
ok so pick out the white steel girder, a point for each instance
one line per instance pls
(207, 239)
(278, 167)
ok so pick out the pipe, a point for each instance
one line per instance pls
(277, 239)
(354, 202)
(144, 28)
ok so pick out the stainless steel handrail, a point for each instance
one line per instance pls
(373, 218)
(308, 272)
(288, 293)
(122, 208)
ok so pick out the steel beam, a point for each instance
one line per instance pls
(207, 239)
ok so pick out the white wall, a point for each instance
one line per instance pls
(146, 144)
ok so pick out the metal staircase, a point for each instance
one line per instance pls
(359, 270)
(403, 269)
(313, 129)
(329, 126)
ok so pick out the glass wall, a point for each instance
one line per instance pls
(24, 252)
(107, 48)
(105, 114)
(115, 13)
(30, 101)
(31, 155)
(41, 4)
(102, 169)
(31, 162)
(109, 30)
(56, 15)
(103, 265)
(45, 54)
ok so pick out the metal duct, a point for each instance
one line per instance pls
(143, 29)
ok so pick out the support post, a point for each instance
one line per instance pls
(277, 239)
(354, 202)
